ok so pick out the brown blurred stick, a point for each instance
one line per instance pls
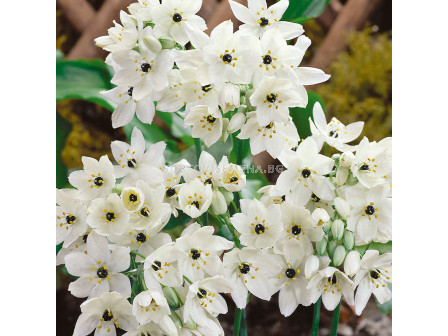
(85, 46)
(330, 14)
(352, 17)
(222, 13)
(207, 9)
(78, 12)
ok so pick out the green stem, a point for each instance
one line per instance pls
(199, 220)
(243, 330)
(188, 280)
(138, 254)
(316, 317)
(335, 321)
(237, 323)
(327, 147)
(197, 145)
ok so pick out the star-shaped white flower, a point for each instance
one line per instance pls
(195, 198)
(207, 123)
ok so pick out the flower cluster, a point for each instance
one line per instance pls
(305, 237)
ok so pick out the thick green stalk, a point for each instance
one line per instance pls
(237, 323)
(316, 317)
(335, 321)
(243, 329)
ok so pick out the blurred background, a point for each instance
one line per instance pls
(351, 40)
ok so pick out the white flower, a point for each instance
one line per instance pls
(171, 177)
(142, 9)
(332, 283)
(202, 251)
(335, 134)
(150, 305)
(79, 245)
(259, 226)
(71, 216)
(161, 266)
(352, 263)
(195, 198)
(371, 213)
(373, 162)
(230, 97)
(207, 123)
(305, 173)
(95, 180)
(99, 269)
(208, 173)
(121, 37)
(251, 270)
(270, 195)
(236, 122)
(232, 176)
(203, 296)
(103, 314)
(259, 18)
(108, 215)
(273, 98)
(273, 137)
(176, 18)
(231, 57)
(374, 274)
(134, 163)
(165, 327)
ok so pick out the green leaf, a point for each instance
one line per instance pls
(182, 219)
(300, 116)
(386, 307)
(219, 149)
(381, 248)
(63, 129)
(300, 11)
(176, 125)
(83, 79)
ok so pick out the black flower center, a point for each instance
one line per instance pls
(333, 133)
(195, 254)
(296, 230)
(206, 88)
(314, 198)
(271, 98)
(244, 268)
(102, 273)
(110, 216)
(264, 22)
(290, 273)
(144, 212)
(306, 173)
(98, 181)
(259, 229)
(202, 293)
(70, 219)
(267, 59)
(130, 91)
(133, 198)
(156, 265)
(177, 17)
(227, 58)
(211, 119)
(107, 315)
(370, 210)
(84, 238)
(146, 67)
(364, 167)
(131, 163)
(375, 274)
(233, 179)
(270, 124)
(208, 181)
(196, 204)
(141, 237)
(332, 279)
(170, 192)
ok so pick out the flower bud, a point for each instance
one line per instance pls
(117, 189)
(230, 97)
(336, 157)
(152, 44)
(311, 266)
(225, 125)
(327, 226)
(337, 229)
(352, 263)
(346, 159)
(227, 194)
(219, 204)
(236, 122)
(352, 180)
(320, 217)
(331, 247)
(171, 297)
(177, 321)
(321, 246)
(339, 255)
(342, 176)
(342, 207)
(349, 240)
(167, 42)
(190, 324)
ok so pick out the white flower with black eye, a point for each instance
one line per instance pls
(121, 37)
(202, 251)
(171, 180)
(315, 202)
(270, 195)
(332, 284)
(335, 134)
(372, 164)
(71, 216)
(259, 226)
(370, 213)
(108, 215)
(251, 270)
(103, 314)
(99, 269)
(135, 164)
(142, 9)
(195, 198)
(203, 296)
(232, 176)
(79, 245)
(273, 98)
(95, 180)
(150, 305)
(274, 137)
(161, 267)
(372, 278)
(259, 18)
(208, 171)
(305, 173)
(231, 57)
(207, 123)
